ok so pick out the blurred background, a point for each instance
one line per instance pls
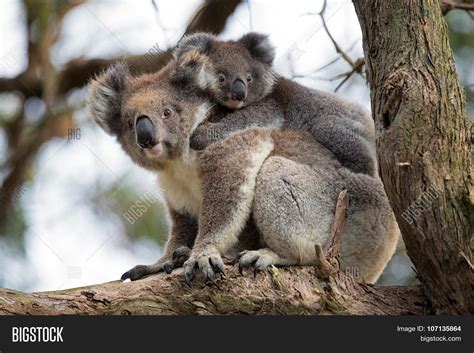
(74, 210)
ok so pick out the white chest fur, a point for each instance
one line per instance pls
(181, 185)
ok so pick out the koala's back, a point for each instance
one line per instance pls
(300, 147)
(302, 105)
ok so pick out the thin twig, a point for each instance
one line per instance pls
(326, 259)
(447, 5)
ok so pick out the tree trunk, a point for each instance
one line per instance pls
(423, 140)
(275, 291)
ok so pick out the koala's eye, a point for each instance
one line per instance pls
(166, 113)
(249, 78)
(129, 124)
(221, 78)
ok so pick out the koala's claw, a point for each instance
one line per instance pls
(189, 274)
(244, 260)
(213, 281)
(210, 263)
(241, 268)
(220, 270)
(168, 267)
(217, 264)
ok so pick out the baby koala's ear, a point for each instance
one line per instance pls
(201, 42)
(104, 97)
(259, 47)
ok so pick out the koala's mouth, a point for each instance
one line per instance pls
(234, 103)
(154, 151)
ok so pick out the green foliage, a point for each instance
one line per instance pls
(15, 227)
(142, 214)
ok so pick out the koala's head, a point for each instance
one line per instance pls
(152, 115)
(239, 72)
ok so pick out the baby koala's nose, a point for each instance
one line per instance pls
(145, 132)
(239, 90)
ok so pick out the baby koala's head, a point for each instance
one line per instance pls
(152, 116)
(238, 73)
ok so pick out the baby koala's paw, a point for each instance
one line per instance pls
(199, 139)
(209, 261)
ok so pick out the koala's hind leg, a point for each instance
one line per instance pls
(370, 236)
(177, 250)
(229, 169)
(293, 210)
(261, 259)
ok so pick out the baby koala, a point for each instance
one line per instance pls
(239, 76)
(266, 195)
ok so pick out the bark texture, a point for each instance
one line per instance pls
(423, 140)
(276, 291)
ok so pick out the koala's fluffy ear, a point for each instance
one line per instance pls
(259, 47)
(201, 42)
(104, 97)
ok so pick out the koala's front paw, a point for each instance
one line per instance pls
(140, 271)
(180, 255)
(208, 260)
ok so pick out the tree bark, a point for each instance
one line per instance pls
(275, 291)
(423, 141)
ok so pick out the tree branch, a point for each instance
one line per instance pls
(298, 292)
(448, 5)
(211, 17)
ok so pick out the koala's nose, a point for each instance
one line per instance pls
(145, 132)
(239, 90)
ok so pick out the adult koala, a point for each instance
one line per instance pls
(281, 184)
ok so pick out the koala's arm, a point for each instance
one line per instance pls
(350, 147)
(229, 170)
(178, 247)
(264, 114)
(183, 233)
(343, 127)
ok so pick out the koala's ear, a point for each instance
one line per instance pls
(193, 68)
(104, 97)
(259, 47)
(201, 42)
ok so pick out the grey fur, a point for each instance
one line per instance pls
(104, 97)
(200, 42)
(341, 126)
(293, 205)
